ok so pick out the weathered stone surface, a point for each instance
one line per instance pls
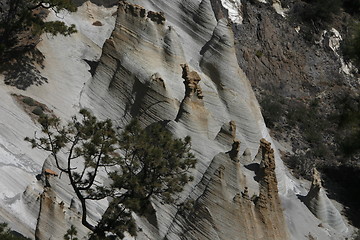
(225, 210)
(139, 75)
(321, 206)
(58, 210)
(268, 202)
(192, 79)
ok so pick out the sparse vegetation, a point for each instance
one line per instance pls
(29, 101)
(301, 165)
(273, 109)
(7, 234)
(71, 234)
(351, 6)
(259, 53)
(32, 107)
(304, 116)
(38, 111)
(351, 45)
(348, 121)
(356, 235)
(141, 163)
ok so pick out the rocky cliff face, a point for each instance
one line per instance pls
(320, 205)
(175, 62)
(181, 68)
(226, 210)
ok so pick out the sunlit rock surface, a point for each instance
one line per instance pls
(180, 68)
(171, 61)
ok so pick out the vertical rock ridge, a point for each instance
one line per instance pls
(142, 61)
(135, 77)
(268, 202)
(191, 81)
(233, 214)
(58, 208)
(192, 111)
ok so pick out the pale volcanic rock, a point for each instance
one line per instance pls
(269, 202)
(236, 191)
(141, 74)
(321, 206)
(225, 210)
(58, 209)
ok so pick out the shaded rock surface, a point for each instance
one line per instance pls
(141, 74)
(67, 72)
(225, 209)
(319, 204)
(238, 193)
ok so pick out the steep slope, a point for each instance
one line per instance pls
(170, 61)
(154, 47)
(66, 72)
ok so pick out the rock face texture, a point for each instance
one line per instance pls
(174, 62)
(321, 206)
(269, 202)
(67, 72)
(182, 70)
(57, 210)
(225, 210)
(187, 75)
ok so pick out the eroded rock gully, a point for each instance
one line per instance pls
(169, 57)
(238, 190)
(225, 210)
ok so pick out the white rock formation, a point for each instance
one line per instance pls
(66, 72)
(171, 61)
(234, 10)
(321, 206)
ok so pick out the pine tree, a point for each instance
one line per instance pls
(71, 234)
(85, 140)
(145, 163)
(19, 16)
(153, 164)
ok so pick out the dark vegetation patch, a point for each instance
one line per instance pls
(299, 115)
(320, 11)
(33, 108)
(21, 24)
(323, 129)
(20, 67)
(8, 234)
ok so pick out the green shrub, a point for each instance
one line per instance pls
(38, 111)
(29, 101)
(259, 53)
